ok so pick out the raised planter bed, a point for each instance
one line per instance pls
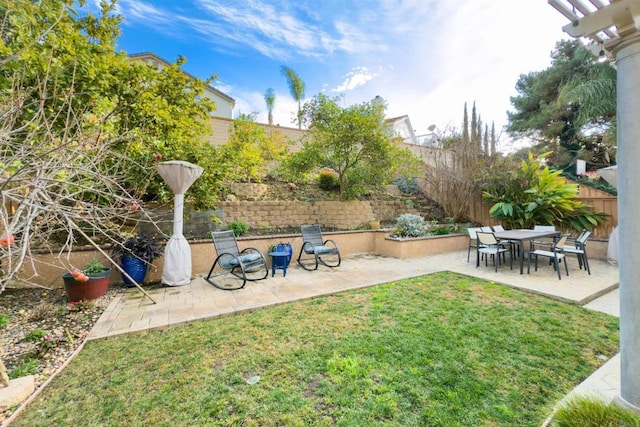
(421, 246)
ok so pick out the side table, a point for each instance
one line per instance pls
(279, 261)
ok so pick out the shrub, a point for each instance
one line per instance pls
(35, 335)
(407, 185)
(141, 246)
(410, 225)
(26, 367)
(533, 194)
(238, 227)
(586, 411)
(328, 180)
(440, 231)
(42, 311)
(4, 321)
(94, 267)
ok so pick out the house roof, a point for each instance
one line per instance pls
(151, 55)
(396, 119)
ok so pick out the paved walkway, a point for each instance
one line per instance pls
(132, 312)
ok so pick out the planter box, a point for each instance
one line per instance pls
(421, 246)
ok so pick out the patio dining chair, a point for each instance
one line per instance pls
(513, 243)
(315, 250)
(555, 254)
(546, 242)
(232, 268)
(489, 245)
(473, 239)
(580, 250)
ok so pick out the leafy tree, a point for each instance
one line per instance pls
(554, 109)
(81, 129)
(353, 142)
(532, 194)
(242, 149)
(147, 113)
(270, 100)
(248, 149)
(296, 88)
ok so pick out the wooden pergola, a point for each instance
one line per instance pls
(613, 29)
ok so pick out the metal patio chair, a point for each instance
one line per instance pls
(489, 245)
(233, 268)
(473, 239)
(547, 242)
(315, 250)
(580, 250)
(555, 254)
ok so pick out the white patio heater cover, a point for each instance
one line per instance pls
(179, 175)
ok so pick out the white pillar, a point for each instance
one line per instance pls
(628, 113)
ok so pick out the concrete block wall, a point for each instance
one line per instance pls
(343, 215)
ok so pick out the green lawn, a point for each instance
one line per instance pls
(439, 350)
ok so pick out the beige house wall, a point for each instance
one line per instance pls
(220, 127)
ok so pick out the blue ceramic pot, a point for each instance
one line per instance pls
(135, 267)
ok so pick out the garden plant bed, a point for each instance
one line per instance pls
(34, 312)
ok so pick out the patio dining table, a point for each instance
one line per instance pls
(522, 236)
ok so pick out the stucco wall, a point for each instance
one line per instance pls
(350, 243)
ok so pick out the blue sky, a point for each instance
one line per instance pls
(426, 58)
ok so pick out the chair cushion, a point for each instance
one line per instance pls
(548, 254)
(319, 249)
(247, 258)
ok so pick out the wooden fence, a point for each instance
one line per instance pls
(598, 200)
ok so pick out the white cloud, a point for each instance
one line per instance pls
(357, 77)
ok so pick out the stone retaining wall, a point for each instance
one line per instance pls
(343, 215)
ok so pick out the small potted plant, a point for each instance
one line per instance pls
(135, 255)
(87, 284)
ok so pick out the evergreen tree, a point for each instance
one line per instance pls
(465, 127)
(474, 127)
(486, 140)
(493, 139)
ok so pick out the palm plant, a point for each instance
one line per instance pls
(595, 93)
(270, 100)
(296, 88)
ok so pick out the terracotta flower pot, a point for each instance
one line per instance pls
(95, 287)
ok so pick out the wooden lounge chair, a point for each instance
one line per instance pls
(232, 268)
(315, 250)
